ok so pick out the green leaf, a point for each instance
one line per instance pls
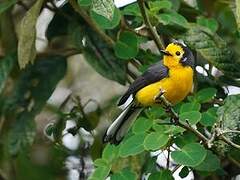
(191, 106)
(226, 18)
(100, 173)
(190, 155)
(155, 140)
(132, 10)
(27, 35)
(105, 23)
(162, 175)
(103, 59)
(84, 2)
(142, 125)
(101, 163)
(125, 174)
(172, 18)
(192, 117)
(210, 23)
(110, 152)
(127, 45)
(209, 117)
(6, 65)
(6, 4)
(155, 6)
(205, 95)
(29, 95)
(106, 64)
(155, 112)
(185, 138)
(211, 163)
(104, 8)
(132, 146)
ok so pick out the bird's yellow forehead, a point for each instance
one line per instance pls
(173, 48)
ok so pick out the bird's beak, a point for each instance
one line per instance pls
(166, 53)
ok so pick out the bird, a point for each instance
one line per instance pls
(172, 77)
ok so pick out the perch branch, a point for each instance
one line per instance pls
(174, 116)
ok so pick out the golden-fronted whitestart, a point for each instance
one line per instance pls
(173, 76)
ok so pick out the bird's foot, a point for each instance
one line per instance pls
(160, 99)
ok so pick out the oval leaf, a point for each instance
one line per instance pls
(155, 6)
(172, 18)
(110, 152)
(141, 125)
(210, 23)
(191, 106)
(132, 146)
(155, 140)
(127, 45)
(209, 117)
(190, 155)
(192, 117)
(211, 163)
(125, 174)
(162, 175)
(205, 95)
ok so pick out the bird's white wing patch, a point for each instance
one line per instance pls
(127, 103)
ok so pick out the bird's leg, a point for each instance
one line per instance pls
(160, 99)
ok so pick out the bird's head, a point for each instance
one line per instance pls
(177, 54)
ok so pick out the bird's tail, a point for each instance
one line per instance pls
(121, 125)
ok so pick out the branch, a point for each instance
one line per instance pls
(195, 131)
(91, 23)
(174, 116)
(155, 36)
(220, 135)
(229, 142)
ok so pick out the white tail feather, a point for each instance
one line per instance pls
(121, 125)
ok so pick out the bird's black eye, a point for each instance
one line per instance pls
(178, 53)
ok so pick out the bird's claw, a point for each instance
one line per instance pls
(158, 98)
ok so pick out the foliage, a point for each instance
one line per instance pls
(112, 40)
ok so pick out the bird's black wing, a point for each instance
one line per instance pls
(153, 74)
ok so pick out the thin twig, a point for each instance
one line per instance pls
(230, 131)
(91, 23)
(228, 141)
(195, 131)
(153, 31)
(234, 161)
(219, 135)
(168, 157)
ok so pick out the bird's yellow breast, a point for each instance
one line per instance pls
(176, 86)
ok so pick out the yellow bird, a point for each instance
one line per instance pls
(173, 76)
